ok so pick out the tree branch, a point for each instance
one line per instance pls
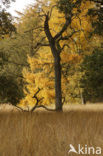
(47, 29)
(63, 29)
(69, 36)
(65, 45)
(37, 102)
(41, 44)
(48, 109)
(33, 29)
(52, 10)
(19, 108)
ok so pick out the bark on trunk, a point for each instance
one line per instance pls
(58, 94)
(57, 65)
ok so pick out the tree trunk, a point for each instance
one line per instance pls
(83, 99)
(57, 65)
(58, 94)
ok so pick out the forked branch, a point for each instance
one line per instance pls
(37, 102)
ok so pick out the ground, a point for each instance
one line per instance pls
(45, 133)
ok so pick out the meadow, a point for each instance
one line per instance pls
(44, 133)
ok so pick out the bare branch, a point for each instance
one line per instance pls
(36, 105)
(63, 29)
(37, 102)
(65, 45)
(36, 28)
(19, 108)
(48, 109)
(41, 44)
(52, 10)
(69, 36)
(36, 93)
(44, 64)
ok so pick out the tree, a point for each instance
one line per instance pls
(56, 49)
(12, 60)
(6, 26)
(92, 80)
(6, 20)
(5, 3)
(97, 11)
(10, 89)
(67, 36)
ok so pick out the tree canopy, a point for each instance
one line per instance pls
(6, 25)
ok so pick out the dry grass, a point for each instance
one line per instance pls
(50, 133)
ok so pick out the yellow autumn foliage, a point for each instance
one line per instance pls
(41, 72)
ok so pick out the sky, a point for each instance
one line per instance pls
(19, 5)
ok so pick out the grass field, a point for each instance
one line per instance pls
(45, 133)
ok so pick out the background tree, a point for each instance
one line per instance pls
(6, 25)
(91, 90)
(12, 60)
(5, 3)
(92, 80)
(97, 11)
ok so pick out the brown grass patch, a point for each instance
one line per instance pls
(49, 133)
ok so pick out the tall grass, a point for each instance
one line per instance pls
(49, 133)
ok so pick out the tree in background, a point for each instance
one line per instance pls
(92, 80)
(97, 11)
(5, 3)
(6, 25)
(10, 89)
(12, 59)
(6, 20)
